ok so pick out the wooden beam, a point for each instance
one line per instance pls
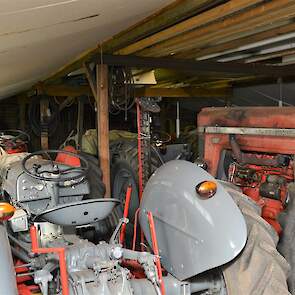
(239, 42)
(103, 125)
(184, 92)
(64, 90)
(202, 19)
(197, 66)
(90, 75)
(262, 57)
(165, 17)
(251, 19)
(168, 16)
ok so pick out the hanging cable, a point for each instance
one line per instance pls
(121, 89)
(34, 116)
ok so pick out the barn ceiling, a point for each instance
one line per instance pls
(40, 36)
(255, 36)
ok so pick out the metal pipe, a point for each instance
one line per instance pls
(243, 158)
(125, 214)
(177, 120)
(156, 251)
(22, 256)
(61, 255)
(21, 244)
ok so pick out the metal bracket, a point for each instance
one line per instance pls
(280, 132)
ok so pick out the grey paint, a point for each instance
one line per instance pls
(79, 213)
(194, 235)
(7, 274)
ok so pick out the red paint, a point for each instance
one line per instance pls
(61, 255)
(24, 289)
(27, 290)
(135, 268)
(68, 159)
(263, 117)
(140, 173)
(19, 270)
(261, 146)
(125, 214)
(20, 148)
(156, 251)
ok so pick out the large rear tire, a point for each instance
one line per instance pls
(259, 269)
(103, 228)
(94, 177)
(287, 240)
(124, 171)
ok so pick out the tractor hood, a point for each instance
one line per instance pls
(194, 234)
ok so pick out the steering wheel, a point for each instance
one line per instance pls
(13, 138)
(55, 172)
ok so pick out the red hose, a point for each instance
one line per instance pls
(156, 250)
(61, 255)
(125, 214)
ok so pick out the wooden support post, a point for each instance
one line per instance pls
(103, 125)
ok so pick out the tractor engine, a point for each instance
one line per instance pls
(92, 269)
(264, 178)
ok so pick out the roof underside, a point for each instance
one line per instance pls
(39, 36)
(236, 32)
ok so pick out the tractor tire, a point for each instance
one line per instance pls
(103, 228)
(259, 269)
(124, 171)
(286, 243)
(94, 177)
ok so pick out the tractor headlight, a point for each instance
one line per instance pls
(6, 211)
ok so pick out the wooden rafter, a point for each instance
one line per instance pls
(66, 90)
(197, 66)
(163, 18)
(90, 75)
(259, 16)
(192, 29)
(185, 92)
(200, 20)
(264, 57)
(168, 16)
(239, 42)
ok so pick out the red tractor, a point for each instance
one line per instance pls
(14, 141)
(254, 148)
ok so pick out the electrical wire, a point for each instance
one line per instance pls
(121, 90)
(34, 116)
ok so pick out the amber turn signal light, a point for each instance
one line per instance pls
(6, 211)
(206, 189)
